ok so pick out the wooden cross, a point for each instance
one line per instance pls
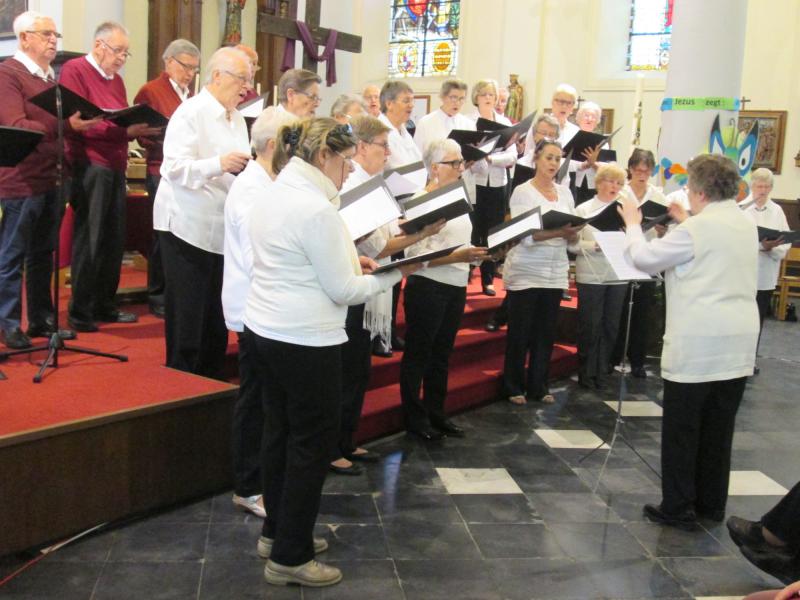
(578, 101)
(287, 28)
(743, 102)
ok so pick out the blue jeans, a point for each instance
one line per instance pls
(28, 232)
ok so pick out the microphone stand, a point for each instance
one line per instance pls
(56, 343)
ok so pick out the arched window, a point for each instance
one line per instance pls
(650, 36)
(423, 37)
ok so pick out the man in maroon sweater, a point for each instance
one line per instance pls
(99, 157)
(164, 94)
(28, 194)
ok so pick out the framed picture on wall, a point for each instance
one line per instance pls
(9, 9)
(771, 133)
(422, 106)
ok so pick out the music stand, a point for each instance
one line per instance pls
(56, 343)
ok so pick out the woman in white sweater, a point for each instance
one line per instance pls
(305, 272)
(535, 275)
(599, 302)
(710, 261)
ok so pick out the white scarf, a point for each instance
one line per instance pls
(321, 181)
(378, 309)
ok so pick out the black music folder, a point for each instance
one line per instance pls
(475, 145)
(406, 180)
(563, 170)
(607, 219)
(508, 133)
(586, 140)
(515, 229)
(417, 259)
(72, 103)
(790, 237)
(522, 174)
(553, 219)
(16, 144)
(447, 203)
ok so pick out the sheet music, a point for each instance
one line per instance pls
(438, 202)
(533, 221)
(612, 243)
(489, 145)
(254, 109)
(400, 185)
(369, 212)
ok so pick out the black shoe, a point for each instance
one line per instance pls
(366, 457)
(450, 428)
(82, 326)
(47, 329)
(639, 372)
(117, 316)
(746, 533)
(586, 382)
(488, 290)
(157, 310)
(718, 516)
(398, 343)
(687, 520)
(429, 435)
(351, 470)
(492, 326)
(15, 339)
(379, 348)
(565, 296)
(779, 563)
(756, 370)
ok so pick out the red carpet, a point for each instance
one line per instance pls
(86, 387)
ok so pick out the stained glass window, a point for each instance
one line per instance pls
(423, 38)
(650, 35)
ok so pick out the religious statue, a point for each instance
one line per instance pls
(516, 96)
(233, 22)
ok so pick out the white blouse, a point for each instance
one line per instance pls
(591, 265)
(401, 144)
(771, 215)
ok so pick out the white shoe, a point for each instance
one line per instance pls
(264, 547)
(312, 574)
(250, 503)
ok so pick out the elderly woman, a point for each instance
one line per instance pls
(640, 169)
(251, 186)
(587, 118)
(438, 124)
(346, 107)
(490, 175)
(711, 261)
(599, 302)
(298, 92)
(305, 273)
(535, 276)
(562, 105)
(434, 302)
(397, 102)
(204, 148)
(366, 322)
(765, 213)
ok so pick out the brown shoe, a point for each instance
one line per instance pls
(311, 574)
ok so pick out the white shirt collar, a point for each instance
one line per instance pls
(93, 62)
(35, 69)
(183, 94)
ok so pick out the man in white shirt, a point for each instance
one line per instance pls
(205, 145)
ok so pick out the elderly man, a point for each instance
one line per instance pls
(28, 198)
(298, 92)
(204, 147)
(372, 98)
(164, 94)
(99, 157)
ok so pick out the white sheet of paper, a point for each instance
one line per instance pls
(400, 185)
(419, 178)
(369, 212)
(443, 200)
(489, 145)
(533, 221)
(254, 110)
(612, 243)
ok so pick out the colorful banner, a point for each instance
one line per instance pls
(707, 103)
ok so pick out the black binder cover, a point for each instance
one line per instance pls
(447, 212)
(416, 259)
(72, 103)
(522, 174)
(790, 237)
(16, 144)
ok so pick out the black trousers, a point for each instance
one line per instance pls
(433, 315)
(784, 518)
(155, 268)
(640, 325)
(248, 424)
(599, 312)
(98, 199)
(194, 326)
(356, 365)
(302, 392)
(490, 210)
(532, 318)
(763, 301)
(696, 440)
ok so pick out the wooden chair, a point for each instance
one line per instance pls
(788, 281)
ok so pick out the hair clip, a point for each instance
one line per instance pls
(291, 137)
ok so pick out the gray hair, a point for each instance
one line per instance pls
(762, 174)
(344, 102)
(550, 120)
(391, 90)
(448, 85)
(437, 150)
(714, 175)
(106, 28)
(26, 21)
(224, 59)
(589, 106)
(298, 80)
(266, 126)
(180, 46)
(565, 88)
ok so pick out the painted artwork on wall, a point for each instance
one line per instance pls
(9, 9)
(771, 133)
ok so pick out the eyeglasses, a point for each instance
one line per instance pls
(453, 164)
(642, 170)
(313, 97)
(456, 99)
(46, 33)
(563, 102)
(242, 79)
(189, 68)
(384, 145)
(123, 52)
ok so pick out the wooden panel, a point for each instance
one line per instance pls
(169, 20)
(270, 47)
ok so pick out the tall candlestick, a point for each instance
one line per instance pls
(196, 84)
(636, 122)
(258, 89)
(274, 95)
